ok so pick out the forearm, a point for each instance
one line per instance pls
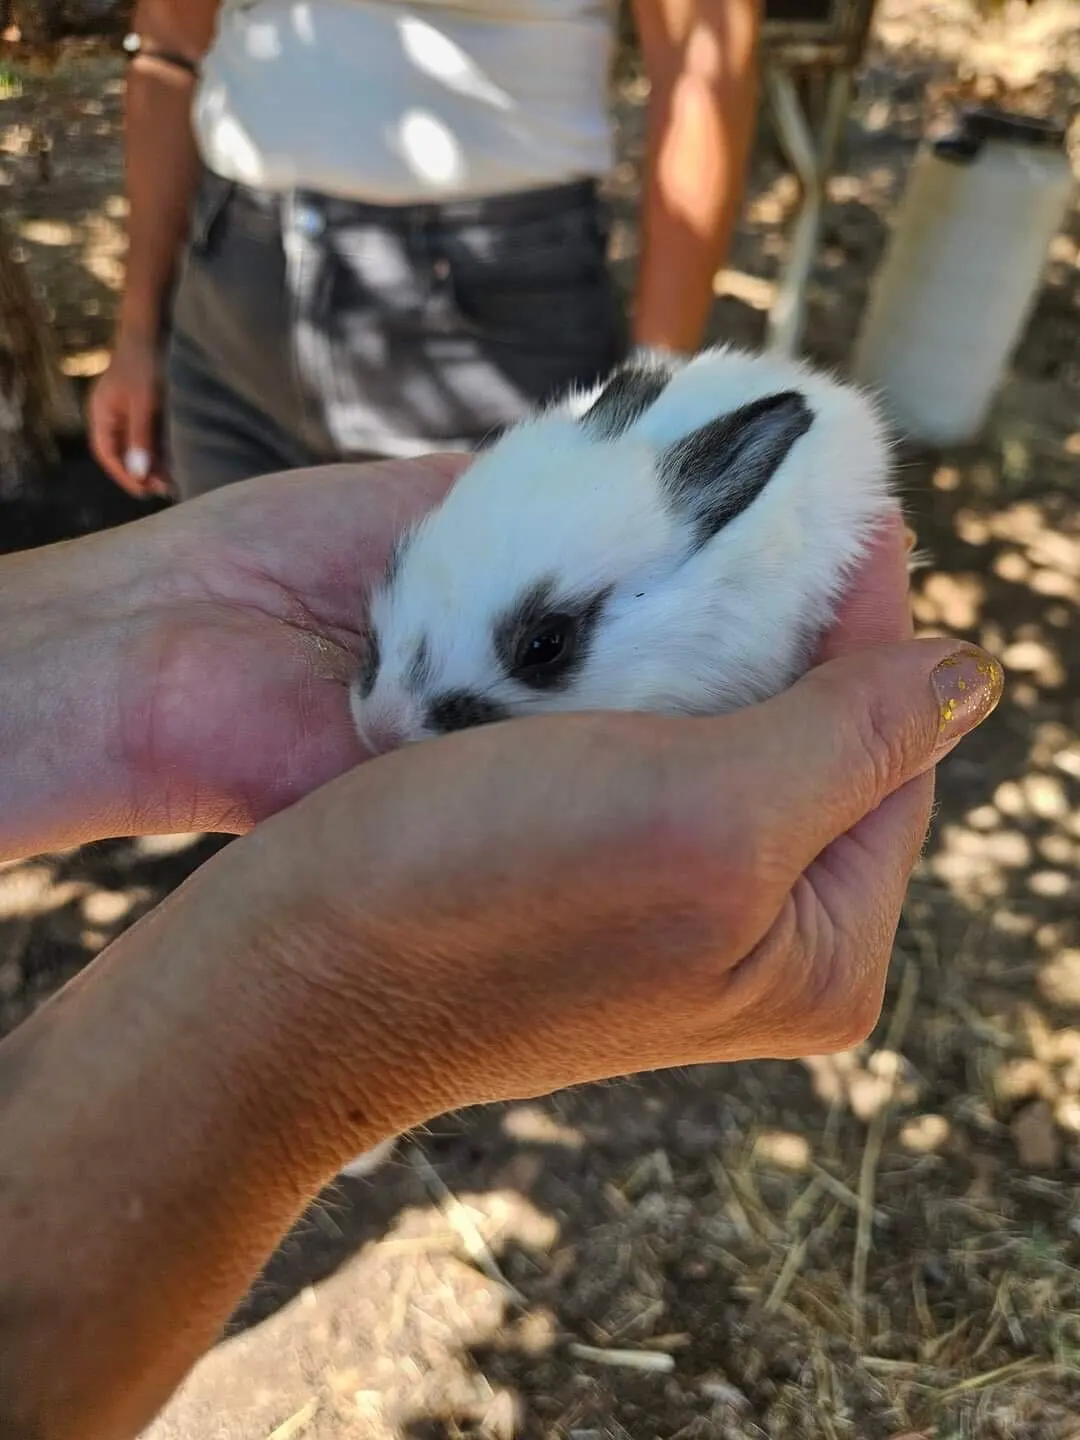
(55, 709)
(701, 119)
(155, 1144)
(161, 163)
(72, 619)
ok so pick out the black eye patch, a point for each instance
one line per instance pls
(543, 641)
(461, 710)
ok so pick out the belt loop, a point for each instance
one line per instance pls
(306, 214)
(212, 194)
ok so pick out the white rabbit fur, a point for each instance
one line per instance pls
(694, 618)
(684, 626)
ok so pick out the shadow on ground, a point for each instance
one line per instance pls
(882, 1244)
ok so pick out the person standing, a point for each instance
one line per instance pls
(361, 229)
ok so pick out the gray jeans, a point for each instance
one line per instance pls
(307, 329)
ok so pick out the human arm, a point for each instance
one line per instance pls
(591, 895)
(189, 671)
(700, 58)
(161, 170)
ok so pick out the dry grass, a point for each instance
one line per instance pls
(883, 1245)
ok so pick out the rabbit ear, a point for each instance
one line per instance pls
(716, 472)
(629, 392)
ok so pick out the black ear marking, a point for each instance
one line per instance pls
(717, 472)
(630, 391)
(461, 710)
(543, 640)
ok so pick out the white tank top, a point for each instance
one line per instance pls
(393, 103)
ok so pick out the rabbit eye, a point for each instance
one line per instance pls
(543, 640)
(544, 648)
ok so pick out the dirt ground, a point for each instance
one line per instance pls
(882, 1245)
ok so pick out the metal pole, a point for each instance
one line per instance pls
(812, 158)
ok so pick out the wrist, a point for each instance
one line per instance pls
(671, 310)
(367, 994)
(644, 352)
(141, 332)
(139, 318)
(318, 1016)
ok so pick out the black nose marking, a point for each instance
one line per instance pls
(419, 671)
(369, 667)
(461, 710)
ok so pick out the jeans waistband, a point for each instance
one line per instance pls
(513, 208)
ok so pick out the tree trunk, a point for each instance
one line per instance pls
(36, 400)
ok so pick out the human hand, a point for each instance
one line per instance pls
(189, 671)
(122, 416)
(490, 915)
(527, 905)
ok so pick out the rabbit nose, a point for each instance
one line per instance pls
(382, 727)
(384, 734)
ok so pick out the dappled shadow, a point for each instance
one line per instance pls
(881, 1243)
(63, 192)
(58, 911)
(74, 497)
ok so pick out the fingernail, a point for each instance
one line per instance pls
(137, 463)
(910, 539)
(968, 686)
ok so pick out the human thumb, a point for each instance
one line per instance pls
(853, 731)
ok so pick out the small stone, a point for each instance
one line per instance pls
(784, 1149)
(1038, 1146)
(1024, 1079)
(1059, 979)
(925, 1133)
(722, 1392)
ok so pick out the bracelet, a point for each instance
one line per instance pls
(135, 47)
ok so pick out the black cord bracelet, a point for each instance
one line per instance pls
(135, 47)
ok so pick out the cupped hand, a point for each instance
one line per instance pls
(235, 699)
(527, 905)
(190, 671)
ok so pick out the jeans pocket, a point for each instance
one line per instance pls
(543, 285)
(212, 194)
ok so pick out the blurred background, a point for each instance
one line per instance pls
(884, 1244)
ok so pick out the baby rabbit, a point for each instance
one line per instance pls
(675, 541)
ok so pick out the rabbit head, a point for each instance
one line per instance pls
(673, 541)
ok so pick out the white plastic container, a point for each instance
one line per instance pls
(961, 272)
